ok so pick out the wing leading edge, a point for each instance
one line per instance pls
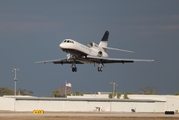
(61, 61)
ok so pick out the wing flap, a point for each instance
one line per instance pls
(115, 60)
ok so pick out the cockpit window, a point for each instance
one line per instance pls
(68, 41)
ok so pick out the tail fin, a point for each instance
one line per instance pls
(104, 40)
(104, 43)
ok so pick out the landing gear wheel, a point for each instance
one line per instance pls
(74, 69)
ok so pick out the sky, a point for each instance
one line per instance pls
(31, 30)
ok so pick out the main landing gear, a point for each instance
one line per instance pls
(74, 69)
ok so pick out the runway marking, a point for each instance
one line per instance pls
(103, 114)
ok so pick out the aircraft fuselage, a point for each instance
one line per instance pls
(79, 50)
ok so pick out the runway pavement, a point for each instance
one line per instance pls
(92, 114)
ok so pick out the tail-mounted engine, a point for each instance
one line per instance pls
(100, 53)
(97, 50)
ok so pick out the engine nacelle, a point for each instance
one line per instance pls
(92, 44)
(100, 53)
(97, 50)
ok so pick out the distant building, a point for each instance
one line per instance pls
(92, 102)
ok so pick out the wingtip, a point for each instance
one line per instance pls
(131, 52)
(38, 62)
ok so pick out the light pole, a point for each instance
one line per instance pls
(114, 84)
(15, 70)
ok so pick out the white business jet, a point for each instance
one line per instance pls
(78, 53)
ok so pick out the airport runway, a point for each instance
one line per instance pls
(92, 114)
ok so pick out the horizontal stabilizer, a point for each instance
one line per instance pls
(122, 50)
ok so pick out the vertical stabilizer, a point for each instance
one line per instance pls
(104, 40)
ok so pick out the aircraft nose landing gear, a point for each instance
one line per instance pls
(74, 68)
(100, 69)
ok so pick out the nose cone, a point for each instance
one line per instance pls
(61, 45)
(66, 44)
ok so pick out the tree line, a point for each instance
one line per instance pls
(117, 95)
(143, 91)
(65, 91)
(9, 91)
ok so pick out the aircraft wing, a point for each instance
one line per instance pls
(115, 60)
(61, 61)
(94, 59)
